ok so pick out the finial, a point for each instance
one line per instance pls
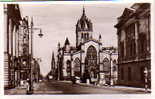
(83, 10)
(58, 44)
(31, 21)
(52, 54)
(100, 36)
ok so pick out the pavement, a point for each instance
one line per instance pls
(15, 91)
(117, 88)
(66, 87)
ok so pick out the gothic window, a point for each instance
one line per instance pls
(92, 59)
(77, 66)
(68, 67)
(82, 35)
(88, 36)
(92, 53)
(114, 65)
(106, 65)
(85, 36)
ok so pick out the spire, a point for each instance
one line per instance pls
(52, 55)
(83, 11)
(67, 41)
(53, 62)
(32, 22)
(100, 36)
(58, 45)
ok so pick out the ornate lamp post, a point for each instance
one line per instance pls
(110, 51)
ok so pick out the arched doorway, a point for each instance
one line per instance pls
(91, 63)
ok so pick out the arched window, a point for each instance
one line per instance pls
(106, 65)
(77, 67)
(114, 65)
(91, 57)
(68, 62)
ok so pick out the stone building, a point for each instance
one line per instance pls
(12, 18)
(133, 30)
(86, 60)
(17, 48)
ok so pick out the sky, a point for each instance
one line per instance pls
(58, 21)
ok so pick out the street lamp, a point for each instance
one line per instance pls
(40, 35)
(110, 51)
(28, 33)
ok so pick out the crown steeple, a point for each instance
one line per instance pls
(84, 29)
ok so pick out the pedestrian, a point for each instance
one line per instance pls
(27, 86)
(73, 80)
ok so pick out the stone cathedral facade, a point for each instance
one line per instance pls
(86, 59)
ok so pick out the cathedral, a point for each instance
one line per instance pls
(86, 60)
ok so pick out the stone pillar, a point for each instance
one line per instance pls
(136, 39)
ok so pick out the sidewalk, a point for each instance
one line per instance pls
(119, 88)
(116, 87)
(15, 91)
(19, 90)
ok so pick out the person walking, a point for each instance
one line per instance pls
(27, 87)
(73, 80)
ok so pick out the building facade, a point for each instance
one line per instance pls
(12, 18)
(18, 66)
(86, 60)
(133, 30)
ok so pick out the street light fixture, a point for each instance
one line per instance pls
(40, 34)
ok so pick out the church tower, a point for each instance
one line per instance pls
(84, 29)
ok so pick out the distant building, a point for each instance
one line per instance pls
(12, 18)
(86, 60)
(52, 74)
(24, 57)
(133, 30)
